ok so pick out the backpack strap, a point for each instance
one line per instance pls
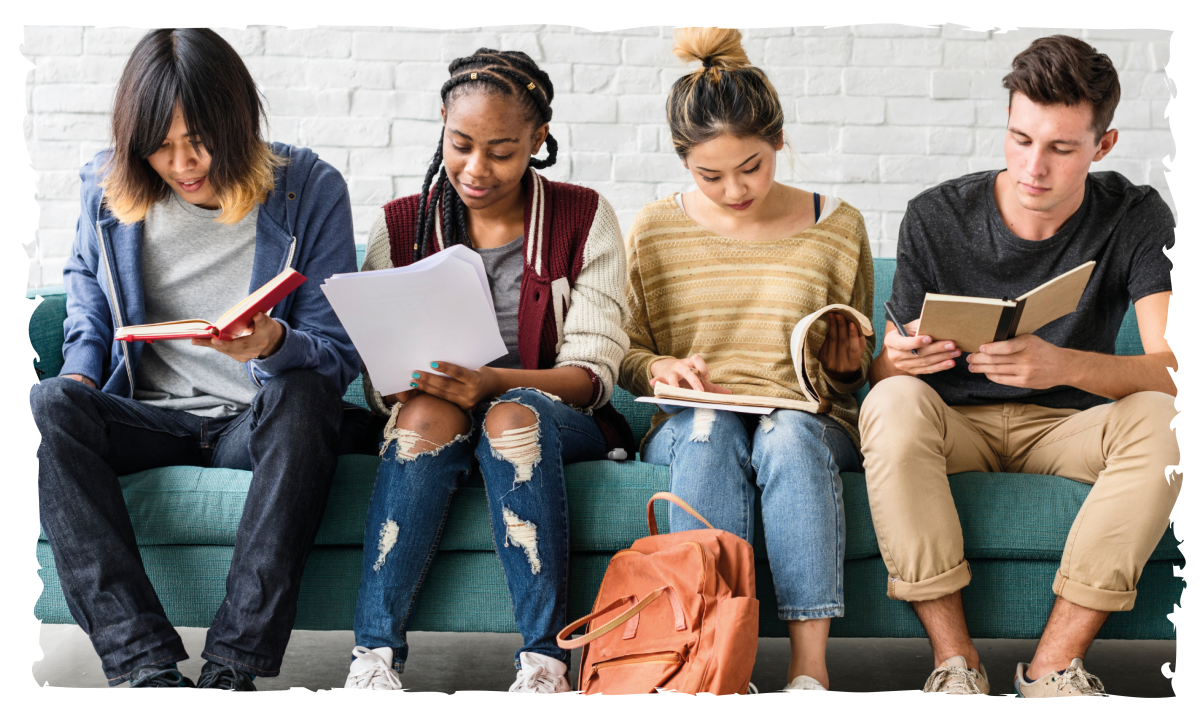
(629, 616)
(653, 523)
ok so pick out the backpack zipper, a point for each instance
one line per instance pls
(112, 293)
(657, 657)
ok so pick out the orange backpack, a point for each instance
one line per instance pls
(685, 607)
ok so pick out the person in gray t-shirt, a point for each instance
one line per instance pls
(189, 212)
(1035, 403)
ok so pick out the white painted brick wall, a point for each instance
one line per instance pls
(875, 113)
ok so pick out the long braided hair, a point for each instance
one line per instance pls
(507, 72)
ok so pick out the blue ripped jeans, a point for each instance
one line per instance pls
(795, 458)
(528, 507)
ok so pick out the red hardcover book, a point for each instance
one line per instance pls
(229, 325)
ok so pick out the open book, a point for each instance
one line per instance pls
(761, 404)
(974, 321)
(229, 325)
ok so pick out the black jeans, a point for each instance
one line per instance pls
(288, 438)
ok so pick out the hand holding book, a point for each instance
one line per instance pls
(257, 341)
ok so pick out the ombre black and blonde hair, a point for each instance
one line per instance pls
(197, 70)
(726, 95)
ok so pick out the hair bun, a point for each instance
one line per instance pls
(714, 47)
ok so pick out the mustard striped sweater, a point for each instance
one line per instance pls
(735, 302)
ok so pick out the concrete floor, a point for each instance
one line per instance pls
(437, 662)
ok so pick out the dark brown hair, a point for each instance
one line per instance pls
(726, 95)
(1062, 70)
(511, 73)
(196, 69)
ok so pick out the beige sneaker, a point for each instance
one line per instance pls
(953, 677)
(1072, 682)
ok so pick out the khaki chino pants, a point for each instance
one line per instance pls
(911, 441)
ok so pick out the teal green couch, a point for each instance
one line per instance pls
(1014, 528)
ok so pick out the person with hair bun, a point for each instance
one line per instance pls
(556, 265)
(718, 277)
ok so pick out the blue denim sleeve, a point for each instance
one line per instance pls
(314, 337)
(88, 329)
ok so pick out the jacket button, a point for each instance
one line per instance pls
(291, 196)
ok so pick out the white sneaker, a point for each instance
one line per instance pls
(540, 674)
(372, 670)
(803, 682)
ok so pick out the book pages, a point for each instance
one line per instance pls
(799, 345)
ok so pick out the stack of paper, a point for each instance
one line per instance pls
(402, 319)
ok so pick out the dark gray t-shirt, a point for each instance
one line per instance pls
(953, 241)
(504, 268)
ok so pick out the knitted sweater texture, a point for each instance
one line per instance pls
(735, 302)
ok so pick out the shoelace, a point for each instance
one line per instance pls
(224, 677)
(954, 679)
(377, 674)
(154, 676)
(535, 679)
(1082, 680)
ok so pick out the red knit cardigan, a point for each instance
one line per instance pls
(558, 218)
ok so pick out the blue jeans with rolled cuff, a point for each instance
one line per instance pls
(288, 438)
(717, 457)
(529, 518)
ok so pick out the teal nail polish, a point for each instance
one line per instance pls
(416, 376)
(433, 365)
(412, 385)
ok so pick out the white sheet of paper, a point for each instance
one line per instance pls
(460, 252)
(402, 321)
(661, 402)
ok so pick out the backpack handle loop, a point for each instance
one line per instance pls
(653, 523)
(629, 616)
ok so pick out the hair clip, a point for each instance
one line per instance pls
(472, 76)
(531, 86)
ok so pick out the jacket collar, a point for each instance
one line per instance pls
(534, 187)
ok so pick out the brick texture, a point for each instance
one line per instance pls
(875, 113)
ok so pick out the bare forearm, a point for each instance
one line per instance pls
(1115, 376)
(571, 384)
(882, 368)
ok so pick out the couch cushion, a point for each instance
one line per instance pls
(1003, 515)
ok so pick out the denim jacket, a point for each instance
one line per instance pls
(304, 223)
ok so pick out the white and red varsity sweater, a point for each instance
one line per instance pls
(572, 307)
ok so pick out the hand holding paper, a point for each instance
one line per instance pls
(403, 319)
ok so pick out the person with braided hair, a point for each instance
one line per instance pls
(718, 277)
(556, 267)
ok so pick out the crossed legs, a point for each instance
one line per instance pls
(912, 441)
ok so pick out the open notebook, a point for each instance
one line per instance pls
(229, 325)
(762, 404)
(974, 321)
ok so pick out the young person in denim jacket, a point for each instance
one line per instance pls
(187, 213)
(718, 277)
(556, 269)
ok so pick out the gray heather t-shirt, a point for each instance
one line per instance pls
(193, 267)
(504, 268)
(953, 241)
